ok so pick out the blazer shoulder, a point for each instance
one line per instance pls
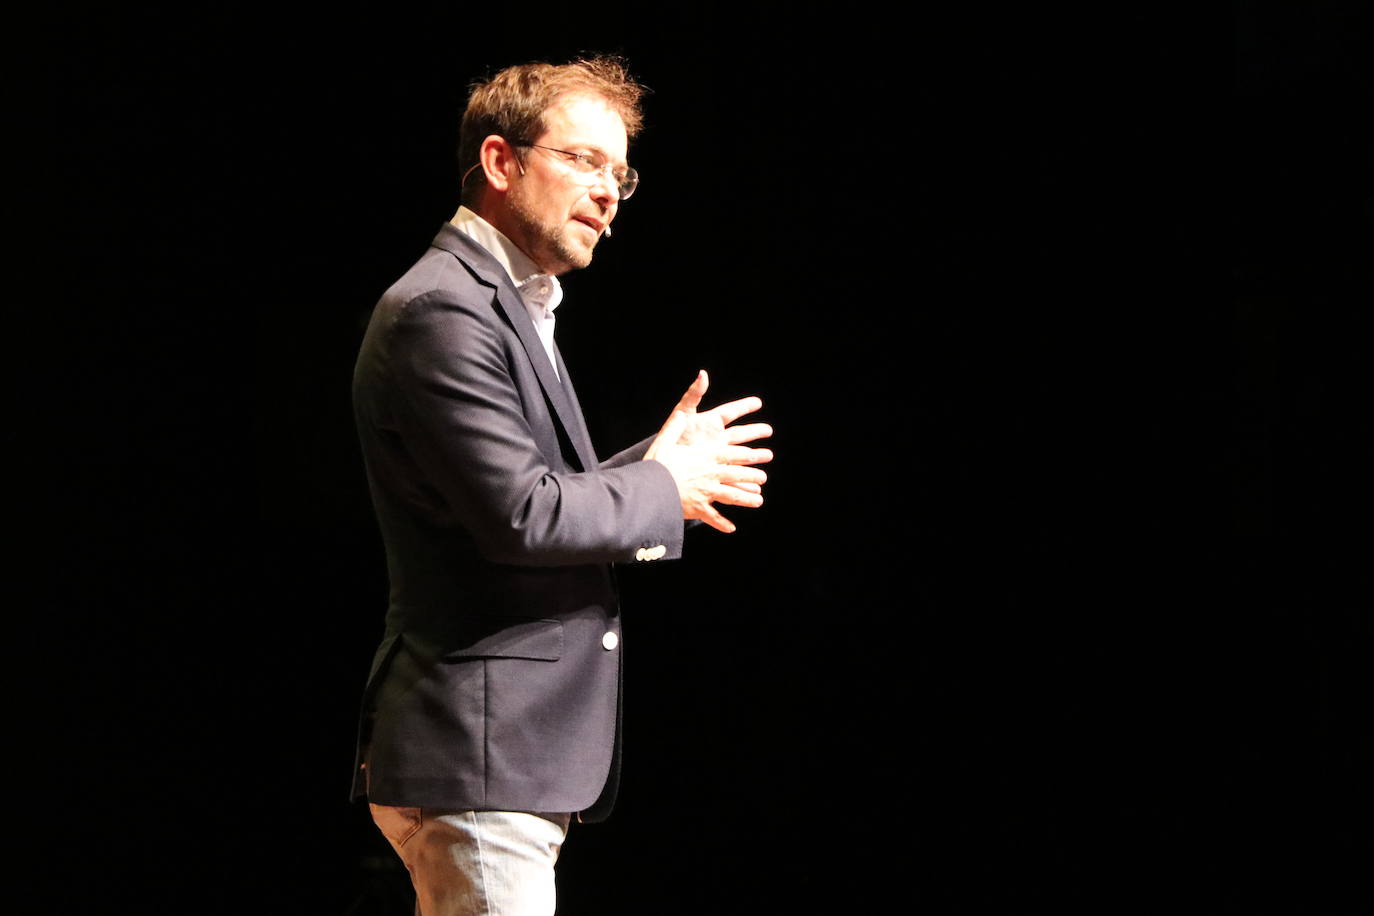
(441, 274)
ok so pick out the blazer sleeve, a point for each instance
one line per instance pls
(635, 452)
(462, 415)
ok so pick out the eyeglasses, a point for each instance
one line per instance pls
(626, 180)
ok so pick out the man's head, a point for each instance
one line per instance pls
(542, 148)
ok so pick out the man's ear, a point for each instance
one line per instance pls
(498, 161)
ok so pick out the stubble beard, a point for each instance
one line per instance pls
(549, 246)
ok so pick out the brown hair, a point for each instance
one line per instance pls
(512, 105)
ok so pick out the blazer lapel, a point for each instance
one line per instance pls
(561, 398)
(582, 440)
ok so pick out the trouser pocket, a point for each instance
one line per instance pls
(396, 824)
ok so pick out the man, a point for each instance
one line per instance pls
(491, 716)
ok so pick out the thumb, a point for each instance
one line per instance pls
(692, 397)
(669, 435)
(674, 428)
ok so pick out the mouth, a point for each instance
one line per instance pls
(596, 225)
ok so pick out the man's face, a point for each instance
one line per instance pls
(557, 214)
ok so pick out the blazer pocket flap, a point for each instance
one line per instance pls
(516, 637)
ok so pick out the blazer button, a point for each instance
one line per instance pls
(610, 641)
(651, 553)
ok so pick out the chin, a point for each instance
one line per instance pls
(576, 256)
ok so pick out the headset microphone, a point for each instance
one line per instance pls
(606, 232)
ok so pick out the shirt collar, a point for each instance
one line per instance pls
(536, 288)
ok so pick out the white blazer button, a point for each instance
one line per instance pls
(610, 641)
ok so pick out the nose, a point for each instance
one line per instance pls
(605, 190)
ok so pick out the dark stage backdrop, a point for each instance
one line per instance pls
(1051, 392)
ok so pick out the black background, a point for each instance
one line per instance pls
(1058, 598)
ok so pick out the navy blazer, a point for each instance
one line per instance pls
(497, 682)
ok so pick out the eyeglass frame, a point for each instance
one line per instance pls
(631, 176)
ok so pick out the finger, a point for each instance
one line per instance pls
(736, 435)
(733, 410)
(738, 473)
(738, 455)
(747, 487)
(717, 521)
(735, 496)
(692, 396)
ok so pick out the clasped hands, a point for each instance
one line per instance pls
(708, 458)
